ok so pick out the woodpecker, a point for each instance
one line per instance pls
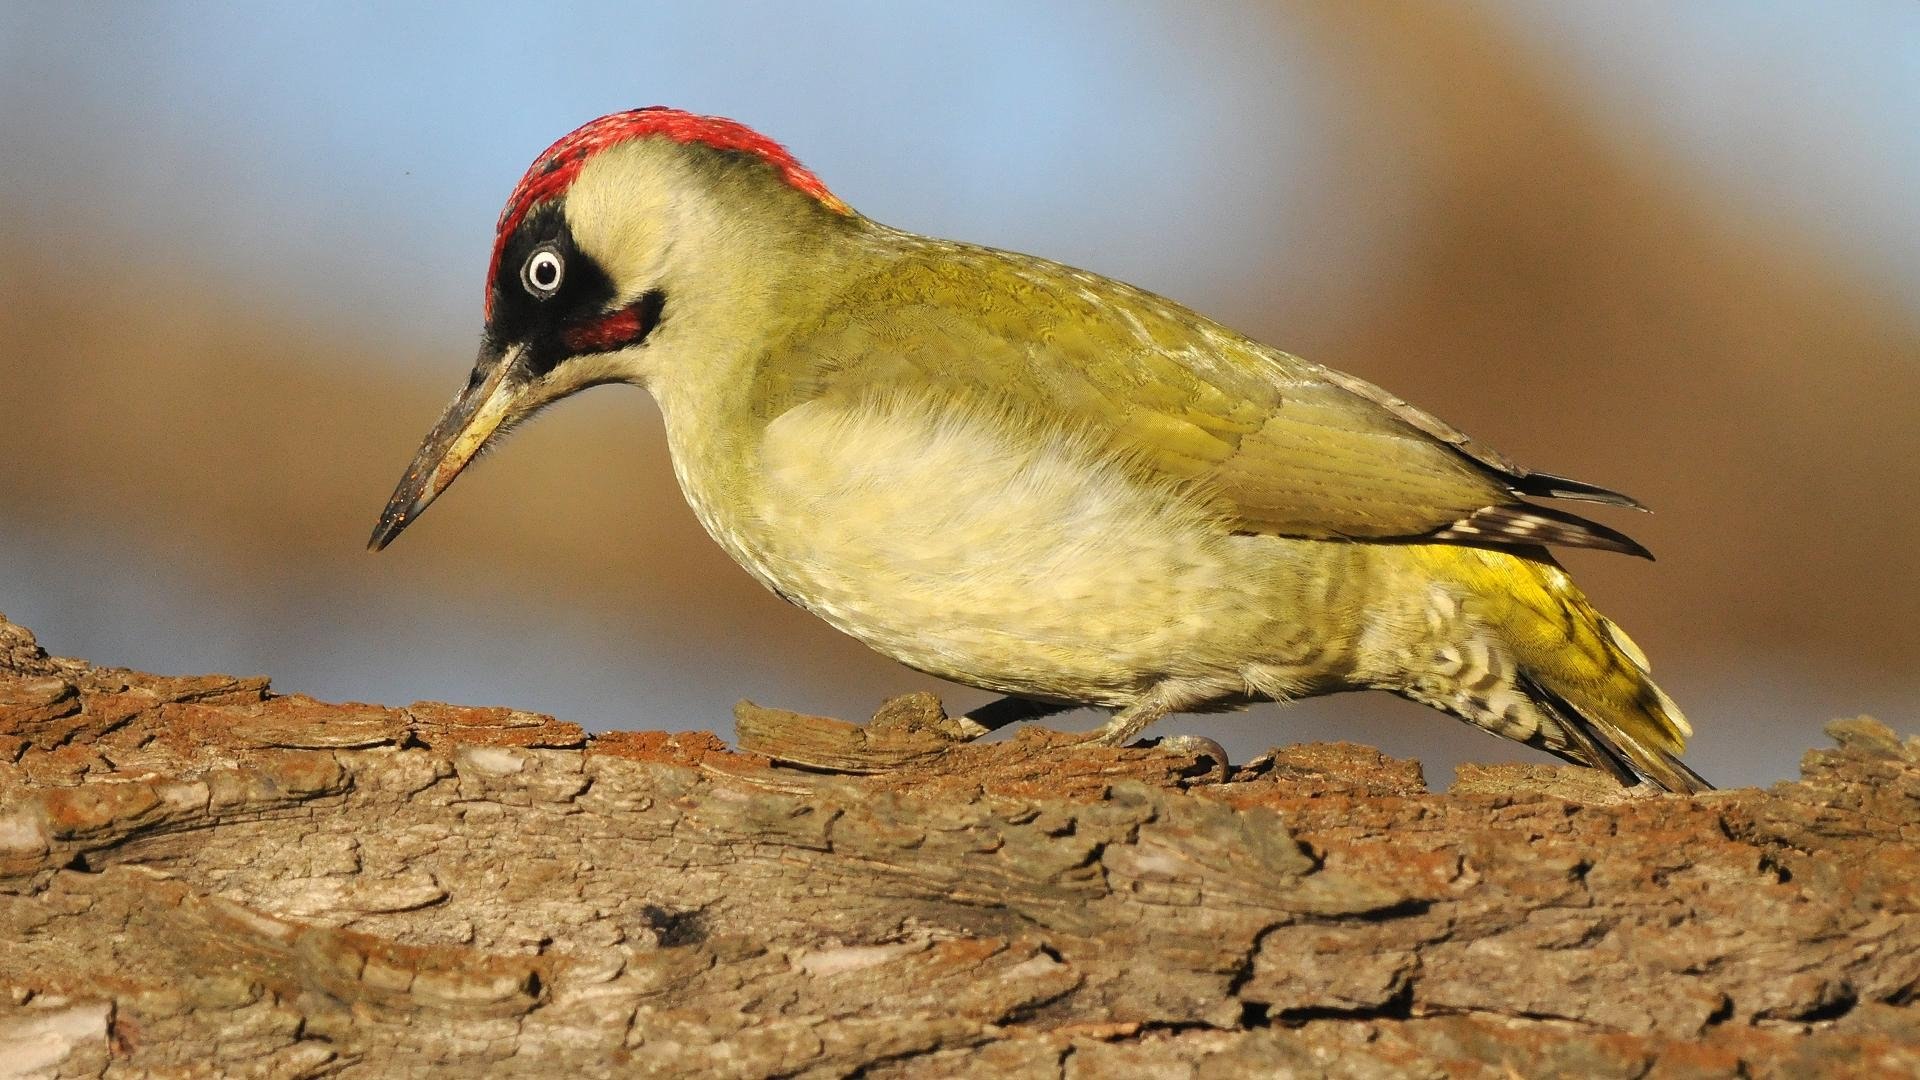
(1032, 479)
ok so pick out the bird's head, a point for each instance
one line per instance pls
(638, 244)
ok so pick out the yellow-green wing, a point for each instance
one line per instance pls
(1285, 447)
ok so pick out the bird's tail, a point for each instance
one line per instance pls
(1537, 663)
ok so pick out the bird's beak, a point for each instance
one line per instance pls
(465, 427)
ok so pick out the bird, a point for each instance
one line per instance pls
(1032, 479)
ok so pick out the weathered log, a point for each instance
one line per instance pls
(200, 877)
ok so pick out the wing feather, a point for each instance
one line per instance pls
(1281, 446)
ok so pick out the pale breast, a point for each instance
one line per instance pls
(969, 547)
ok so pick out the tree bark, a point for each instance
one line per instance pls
(200, 877)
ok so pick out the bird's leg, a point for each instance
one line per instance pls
(997, 714)
(1160, 699)
(1120, 729)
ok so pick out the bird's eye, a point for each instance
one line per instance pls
(542, 272)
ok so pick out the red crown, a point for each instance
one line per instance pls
(554, 170)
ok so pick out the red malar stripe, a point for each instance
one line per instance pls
(623, 327)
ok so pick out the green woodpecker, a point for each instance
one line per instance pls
(1033, 479)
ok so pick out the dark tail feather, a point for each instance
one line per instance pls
(1529, 658)
(1548, 486)
(1524, 523)
(1604, 746)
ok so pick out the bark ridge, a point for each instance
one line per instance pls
(201, 877)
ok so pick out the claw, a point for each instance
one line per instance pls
(1198, 745)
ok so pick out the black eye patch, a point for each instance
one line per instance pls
(540, 303)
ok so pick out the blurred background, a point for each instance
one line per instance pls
(1669, 248)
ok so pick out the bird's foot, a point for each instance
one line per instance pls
(1198, 745)
(1209, 757)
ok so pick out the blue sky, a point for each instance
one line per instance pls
(333, 138)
